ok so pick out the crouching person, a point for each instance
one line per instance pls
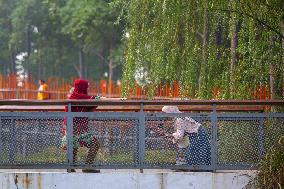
(192, 139)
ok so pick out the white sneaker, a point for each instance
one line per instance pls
(178, 162)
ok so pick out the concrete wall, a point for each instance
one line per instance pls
(125, 180)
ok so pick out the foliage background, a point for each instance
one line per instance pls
(234, 46)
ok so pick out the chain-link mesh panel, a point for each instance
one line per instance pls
(162, 150)
(238, 141)
(273, 131)
(113, 141)
(106, 141)
(31, 141)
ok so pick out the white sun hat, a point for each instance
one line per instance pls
(171, 109)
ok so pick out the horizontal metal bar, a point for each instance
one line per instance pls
(100, 166)
(32, 114)
(34, 166)
(145, 102)
(66, 166)
(237, 167)
(126, 117)
(249, 115)
(190, 167)
(91, 115)
(134, 108)
(164, 115)
(136, 114)
(129, 166)
(239, 118)
(116, 115)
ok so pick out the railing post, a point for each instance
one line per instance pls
(69, 137)
(141, 138)
(214, 137)
(261, 138)
(1, 142)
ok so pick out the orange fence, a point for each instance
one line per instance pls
(59, 88)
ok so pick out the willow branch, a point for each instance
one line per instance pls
(254, 18)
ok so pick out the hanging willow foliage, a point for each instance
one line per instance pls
(233, 46)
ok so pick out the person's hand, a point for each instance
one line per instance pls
(168, 135)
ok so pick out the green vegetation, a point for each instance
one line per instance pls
(57, 155)
(231, 46)
(271, 171)
(238, 142)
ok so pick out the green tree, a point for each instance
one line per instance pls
(54, 34)
(237, 49)
(7, 52)
(90, 24)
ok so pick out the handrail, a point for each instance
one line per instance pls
(184, 108)
(117, 102)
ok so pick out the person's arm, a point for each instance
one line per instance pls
(92, 108)
(159, 129)
(178, 134)
(40, 88)
(102, 99)
(111, 99)
(179, 130)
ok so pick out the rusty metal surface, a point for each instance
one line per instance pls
(116, 102)
(149, 108)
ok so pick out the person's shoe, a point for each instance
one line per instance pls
(71, 170)
(91, 171)
(181, 170)
(180, 162)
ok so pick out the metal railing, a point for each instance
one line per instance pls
(135, 139)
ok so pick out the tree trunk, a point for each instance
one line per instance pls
(29, 49)
(272, 79)
(272, 72)
(85, 70)
(234, 40)
(110, 70)
(12, 53)
(203, 67)
(39, 66)
(13, 62)
(81, 63)
(181, 42)
(282, 28)
(218, 34)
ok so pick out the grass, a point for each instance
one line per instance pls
(271, 169)
(57, 156)
(238, 143)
